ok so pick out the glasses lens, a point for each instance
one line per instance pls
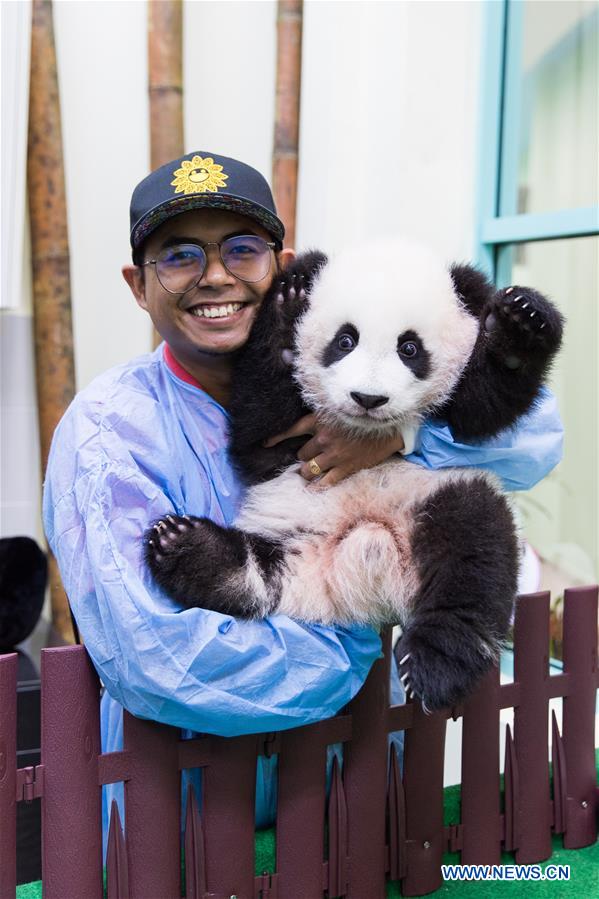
(179, 268)
(248, 258)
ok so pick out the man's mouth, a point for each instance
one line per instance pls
(215, 311)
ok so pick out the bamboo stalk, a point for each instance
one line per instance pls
(165, 74)
(53, 331)
(287, 112)
(165, 85)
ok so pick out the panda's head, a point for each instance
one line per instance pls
(384, 339)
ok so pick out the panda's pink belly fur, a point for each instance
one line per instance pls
(348, 548)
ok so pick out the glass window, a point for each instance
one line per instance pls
(560, 515)
(550, 135)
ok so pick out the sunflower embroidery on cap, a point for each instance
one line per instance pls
(198, 176)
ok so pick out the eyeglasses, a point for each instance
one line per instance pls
(180, 268)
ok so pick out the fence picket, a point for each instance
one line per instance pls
(117, 868)
(580, 664)
(71, 802)
(229, 796)
(152, 809)
(8, 774)
(423, 783)
(300, 812)
(531, 673)
(365, 779)
(481, 825)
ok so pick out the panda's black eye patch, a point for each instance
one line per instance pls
(413, 354)
(345, 340)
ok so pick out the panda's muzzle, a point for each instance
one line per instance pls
(369, 400)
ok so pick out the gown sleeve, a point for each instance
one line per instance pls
(520, 456)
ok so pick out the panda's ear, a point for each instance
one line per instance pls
(472, 286)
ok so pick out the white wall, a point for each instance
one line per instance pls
(388, 141)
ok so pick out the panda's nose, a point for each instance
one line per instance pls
(369, 400)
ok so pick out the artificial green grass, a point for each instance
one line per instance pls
(583, 883)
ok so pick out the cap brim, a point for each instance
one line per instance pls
(177, 205)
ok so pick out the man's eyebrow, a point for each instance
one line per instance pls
(175, 240)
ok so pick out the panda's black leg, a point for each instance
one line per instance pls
(200, 563)
(467, 556)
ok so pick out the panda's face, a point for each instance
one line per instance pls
(382, 345)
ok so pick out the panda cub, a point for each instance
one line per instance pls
(374, 341)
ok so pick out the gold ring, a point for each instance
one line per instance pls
(314, 467)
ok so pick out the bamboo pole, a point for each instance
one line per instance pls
(55, 369)
(287, 112)
(165, 85)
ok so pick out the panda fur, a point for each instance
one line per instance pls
(374, 353)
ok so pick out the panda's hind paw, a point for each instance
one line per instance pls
(164, 541)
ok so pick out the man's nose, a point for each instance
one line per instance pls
(215, 273)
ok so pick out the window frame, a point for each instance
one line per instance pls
(497, 172)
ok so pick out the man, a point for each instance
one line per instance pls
(149, 438)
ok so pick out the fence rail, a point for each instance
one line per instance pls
(378, 821)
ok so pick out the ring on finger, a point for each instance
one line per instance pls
(314, 468)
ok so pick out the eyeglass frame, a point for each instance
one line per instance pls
(212, 243)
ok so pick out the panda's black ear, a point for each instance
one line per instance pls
(472, 286)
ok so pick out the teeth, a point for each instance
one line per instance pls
(215, 311)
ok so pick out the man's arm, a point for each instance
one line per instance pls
(194, 669)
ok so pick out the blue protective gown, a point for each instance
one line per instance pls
(139, 443)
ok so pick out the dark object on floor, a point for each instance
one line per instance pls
(23, 578)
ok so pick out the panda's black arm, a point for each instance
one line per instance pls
(265, 399)
(520, 332)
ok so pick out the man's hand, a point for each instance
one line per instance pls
(336, 454)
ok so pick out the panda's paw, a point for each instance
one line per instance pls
(438, 680)
(520, 321)
(167, 541)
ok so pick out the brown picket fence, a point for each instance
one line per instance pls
(378, 821)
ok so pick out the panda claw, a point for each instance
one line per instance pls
(405, 658)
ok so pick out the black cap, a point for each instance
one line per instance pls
(199, 180)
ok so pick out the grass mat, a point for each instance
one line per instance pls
(583, 883)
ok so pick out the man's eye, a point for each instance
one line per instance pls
(346, 342)
(408, 349)
(242, 250)
(181, 257)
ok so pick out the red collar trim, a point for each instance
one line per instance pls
(178, 369)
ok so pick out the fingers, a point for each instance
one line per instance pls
(305, 425)
(315, 467)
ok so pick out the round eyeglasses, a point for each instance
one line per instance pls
(180, 268)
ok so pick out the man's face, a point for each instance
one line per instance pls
(191, 336)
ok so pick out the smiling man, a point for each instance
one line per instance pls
(149, 438)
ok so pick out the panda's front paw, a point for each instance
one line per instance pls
(520, 321)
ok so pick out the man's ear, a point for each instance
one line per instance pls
(134, 277)
(285, 257)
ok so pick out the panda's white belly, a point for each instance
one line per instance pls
(349, 546)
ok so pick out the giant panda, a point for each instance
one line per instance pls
(373, 341)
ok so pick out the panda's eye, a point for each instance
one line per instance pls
(408, 349)
(346, 342)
